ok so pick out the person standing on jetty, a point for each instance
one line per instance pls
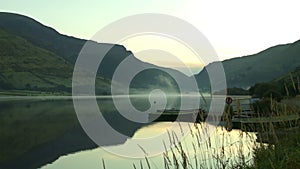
(228, 112)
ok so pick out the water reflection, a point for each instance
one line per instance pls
(34, 132)
(38, 131)
(223, 146)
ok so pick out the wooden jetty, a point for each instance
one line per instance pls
(244, 117)
(266, 123)
(241, 107)
(192, 115)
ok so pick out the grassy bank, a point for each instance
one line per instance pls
(283, 154)
(279, 149)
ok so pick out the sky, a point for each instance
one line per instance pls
(233, 27)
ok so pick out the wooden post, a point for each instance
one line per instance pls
(238, 107)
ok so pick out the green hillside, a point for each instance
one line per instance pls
(289, 83)
(41, 35)
(261, 67)
(62, 51)
(287, 78)
(24, 66)
(64, 46)
(67, 49)
(285, 85)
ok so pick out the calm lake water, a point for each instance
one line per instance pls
(45, 133)
(221, 138)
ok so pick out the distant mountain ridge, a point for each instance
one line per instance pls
(24, 66)
(68, 48)
(41, 35)
(261, 67)
(240, 72)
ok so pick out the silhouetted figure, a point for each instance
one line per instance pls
(228, 112)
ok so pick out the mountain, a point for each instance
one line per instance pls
(289, 83)
(285, 85)
(261, 67)
(241, 72)
(67, 49)
(41, 35)
(287, 78)
(64, 46)
(24, 66)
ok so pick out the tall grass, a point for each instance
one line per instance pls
(283, 138)
(285, 153)
(274, 145)
(196, 151)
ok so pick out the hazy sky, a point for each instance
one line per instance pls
(234, 27)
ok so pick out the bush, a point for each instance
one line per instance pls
(283, 154)
(261, 90)
(275, 95)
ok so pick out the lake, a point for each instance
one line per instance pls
(44, 132)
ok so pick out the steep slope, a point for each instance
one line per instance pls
(285, 85)
(69, 47)
(49, 39)
(295, 75)
(41, 35)
(261, 67)
(24, 66)
(289, 83)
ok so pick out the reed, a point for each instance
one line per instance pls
(103, 164)
(244, 155)
(275, 145)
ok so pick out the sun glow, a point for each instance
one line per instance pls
(164, 51)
